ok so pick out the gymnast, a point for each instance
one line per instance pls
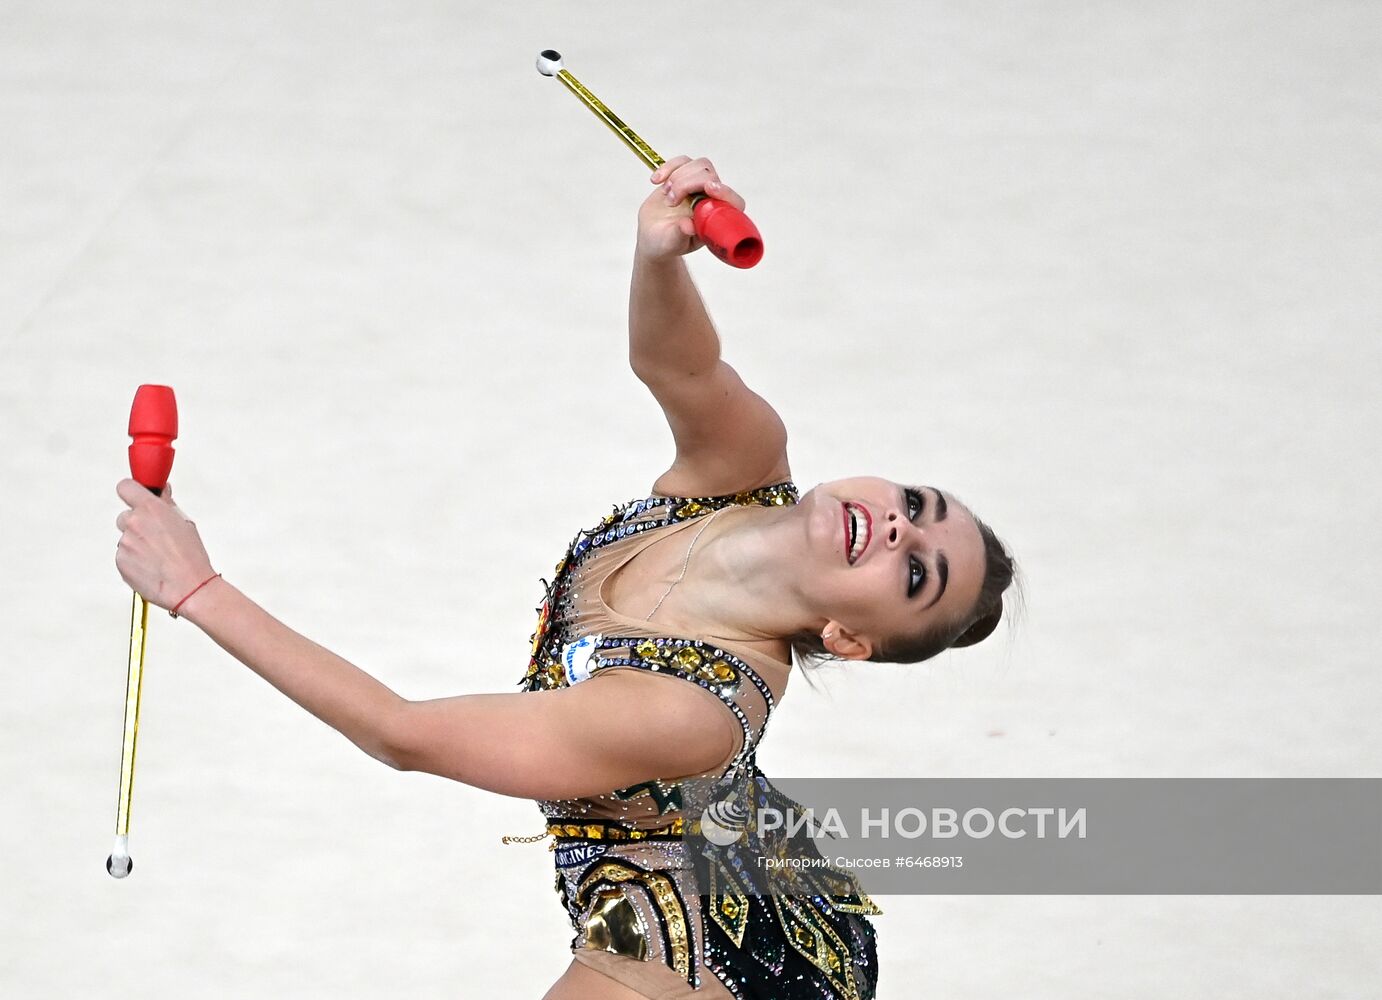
(663, 644)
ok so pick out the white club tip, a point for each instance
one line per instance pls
(120, 864)
(549, 62)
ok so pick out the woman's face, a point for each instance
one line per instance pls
(888, 560)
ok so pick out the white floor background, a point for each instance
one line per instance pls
(1107, 271)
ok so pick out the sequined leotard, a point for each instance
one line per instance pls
(640, 914)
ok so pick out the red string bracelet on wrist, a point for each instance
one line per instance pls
(174, 612)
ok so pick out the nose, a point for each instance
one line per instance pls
(901, 531)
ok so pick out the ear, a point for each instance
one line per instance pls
(841, 642)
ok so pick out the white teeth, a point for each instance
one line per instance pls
(860, 533)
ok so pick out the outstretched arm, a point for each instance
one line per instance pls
(617, 729)
(576, 741)
(728, 438)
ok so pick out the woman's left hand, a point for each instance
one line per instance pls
(160, 554)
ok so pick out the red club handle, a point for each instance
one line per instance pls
(154, 427)
(727, 232)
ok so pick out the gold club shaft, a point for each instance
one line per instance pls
(139, 624)
(631, 139)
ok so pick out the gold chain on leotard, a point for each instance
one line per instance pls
(511, 839)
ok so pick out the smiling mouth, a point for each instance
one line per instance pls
(858, 531)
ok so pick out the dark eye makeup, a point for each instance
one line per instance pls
(916, 572)
(916, 502)
(916, 576)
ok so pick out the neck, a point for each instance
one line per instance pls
(743, 575)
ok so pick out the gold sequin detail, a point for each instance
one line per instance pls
(664, 895)
(731, 912)
(688, 660)
(615, 926)
(816, 941)
(722, 672)
(610, 831)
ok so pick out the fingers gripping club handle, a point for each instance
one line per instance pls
(727, 232)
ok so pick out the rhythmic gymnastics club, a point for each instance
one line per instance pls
(154, 427)
(728, 232)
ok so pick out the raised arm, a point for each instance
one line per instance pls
(610, 731)
(728, 438)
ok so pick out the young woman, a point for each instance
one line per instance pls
(664, 643)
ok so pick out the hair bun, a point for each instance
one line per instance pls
(981, 627)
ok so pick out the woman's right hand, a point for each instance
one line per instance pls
(665, 225)
(160, 554)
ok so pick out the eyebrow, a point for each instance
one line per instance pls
(942, 563)
(943, 567)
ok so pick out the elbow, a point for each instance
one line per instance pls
(391, 756)
(391, 745)
(645, 370)
(658, 375)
